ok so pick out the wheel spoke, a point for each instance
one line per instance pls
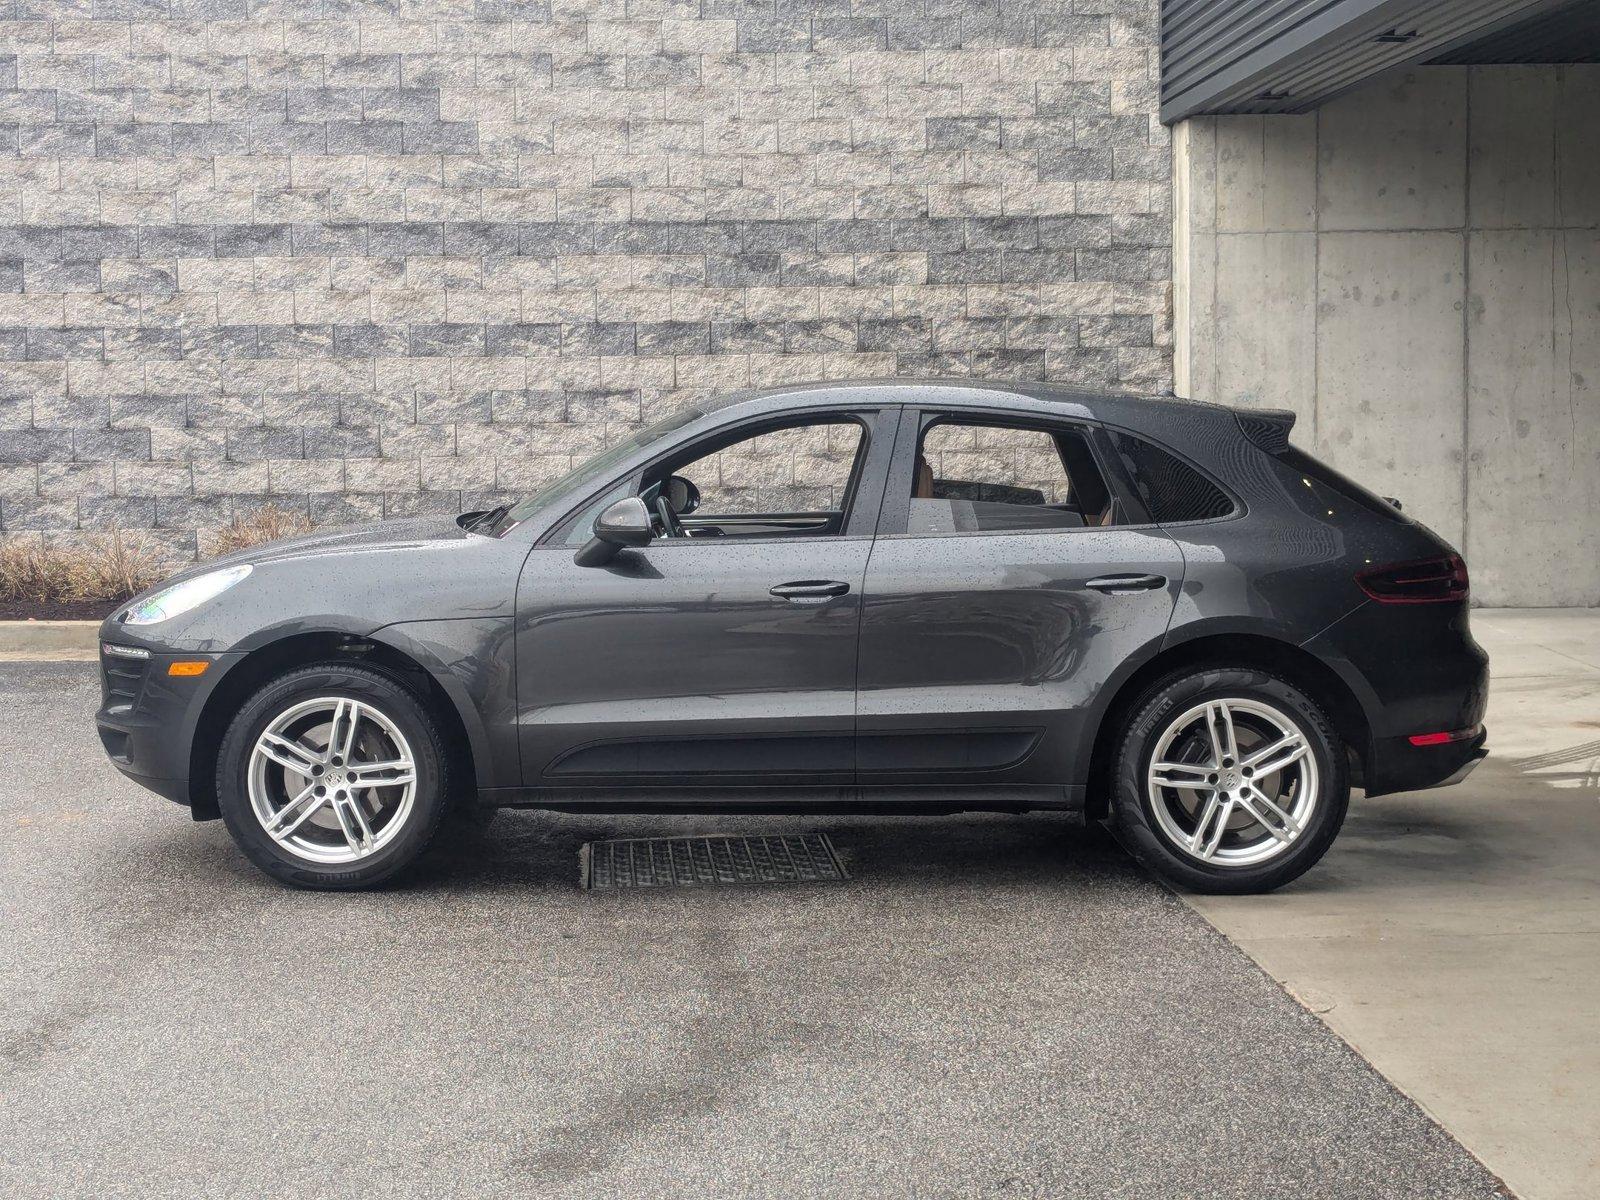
(1224, 740)
(1284, 752)
(1180, 775)
(293, 814)
(288, 753)
(1263, 811)
(381, 774)
(1213, 822)
(342, 733)
(354, 823)
(1211, 731)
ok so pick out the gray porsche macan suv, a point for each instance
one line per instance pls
(933, 596)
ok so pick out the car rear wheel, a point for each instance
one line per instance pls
(1229, 779)
(332, 776)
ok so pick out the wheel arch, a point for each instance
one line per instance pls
(1262, 651)
(462, 732)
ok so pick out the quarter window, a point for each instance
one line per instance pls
(1171, 490)
(993, 477)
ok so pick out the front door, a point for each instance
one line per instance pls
(1005, 587)
(722, 654)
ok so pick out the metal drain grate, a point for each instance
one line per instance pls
(710, 861)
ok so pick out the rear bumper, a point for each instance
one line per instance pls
(1414, 669)
(1395, 765)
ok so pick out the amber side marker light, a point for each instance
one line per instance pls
(189, 667)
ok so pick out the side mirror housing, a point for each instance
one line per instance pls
(625, 523)
(681, 494)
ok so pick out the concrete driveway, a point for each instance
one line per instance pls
(992, 1006)
(1453, 936)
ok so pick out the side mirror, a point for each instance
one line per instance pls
(681, 493)
(625, 523)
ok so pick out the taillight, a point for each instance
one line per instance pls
(1425, 581)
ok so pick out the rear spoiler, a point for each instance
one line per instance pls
(1267, 428)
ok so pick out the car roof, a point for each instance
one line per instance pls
(1127, 408)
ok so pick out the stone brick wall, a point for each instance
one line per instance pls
(370, 259)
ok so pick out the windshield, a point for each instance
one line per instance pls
(591, 470)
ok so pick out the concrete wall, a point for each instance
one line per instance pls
(1415, 270)
(374, 258)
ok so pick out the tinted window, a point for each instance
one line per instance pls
(1171, 490)
(1314, 471)
(987, 478)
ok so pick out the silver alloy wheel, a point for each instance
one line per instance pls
(332, 780)
(1233, 782)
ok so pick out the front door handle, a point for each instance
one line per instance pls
(811, 591)
(1127, 583)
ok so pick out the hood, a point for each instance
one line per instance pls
(347, 539)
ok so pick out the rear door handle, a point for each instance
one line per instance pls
(1127, 583)
(812, 591)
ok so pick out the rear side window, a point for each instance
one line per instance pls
(1171, 490)
(995, 477)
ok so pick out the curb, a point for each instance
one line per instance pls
(25, 641)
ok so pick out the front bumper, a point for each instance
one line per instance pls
(147, 717)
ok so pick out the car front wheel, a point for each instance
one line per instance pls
(1229, 779)
(332, 776)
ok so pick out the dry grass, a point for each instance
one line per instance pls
(107, 566)
(266, 524)
(115, 565)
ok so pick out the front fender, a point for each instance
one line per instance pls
(471, 660)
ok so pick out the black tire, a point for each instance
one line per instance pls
(1134, 819)
(373, 688)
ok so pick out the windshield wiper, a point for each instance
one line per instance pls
(489, 519)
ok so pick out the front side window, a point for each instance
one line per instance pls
(806, 468)
(793, 481)
(988, 477)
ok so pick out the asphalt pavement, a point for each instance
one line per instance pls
(991, 1006)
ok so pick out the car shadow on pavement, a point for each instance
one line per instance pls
(523, 849)
(1437, 839)
(1418, 840)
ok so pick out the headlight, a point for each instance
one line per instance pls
(181, 597)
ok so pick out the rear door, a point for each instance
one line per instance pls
(1007, 583)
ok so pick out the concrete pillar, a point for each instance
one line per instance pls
(1415, 269)
(1533, 336)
